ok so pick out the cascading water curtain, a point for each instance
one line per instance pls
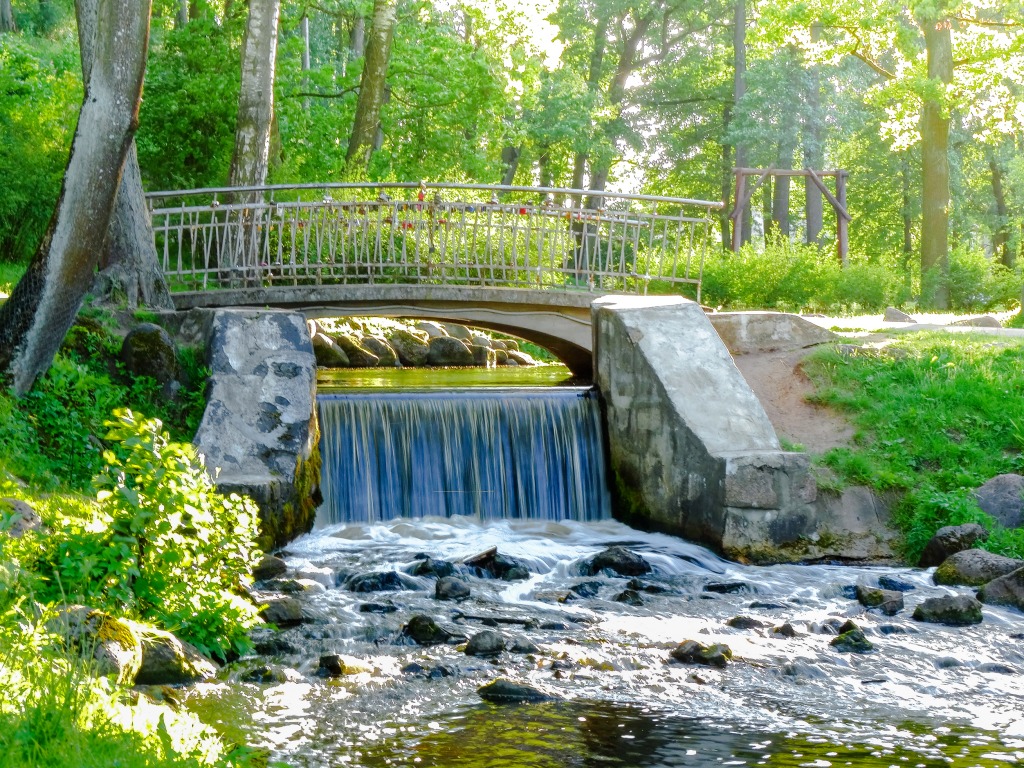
(489, 454)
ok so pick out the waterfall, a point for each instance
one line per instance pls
(529, 453)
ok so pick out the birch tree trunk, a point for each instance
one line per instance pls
(938, 39)
(371, 86)
(7, 23)
(256, 96)
(42, 308)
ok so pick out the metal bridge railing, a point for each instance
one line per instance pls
(445, 234)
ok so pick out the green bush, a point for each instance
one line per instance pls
(792, 277)
(159, 544)
(978, 283)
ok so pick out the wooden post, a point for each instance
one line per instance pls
(842, 222)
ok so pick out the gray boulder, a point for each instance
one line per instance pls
(974, 567)
(888, 601)
(282, 611)
(269, 567)
(328, 353)
(852, 641)
(446, 351)
(485, 643)
(433, 330)
(166, 660)
(893, 315)
(358, 355)
(460, 332)
(1006, 590)
(148, 350)
(985, 321)
(483, 357)
(113, 644)
(411, 349)
(386, 356)
(480, 340)
(18, 517)
(380, 581)
(1002, 497)
(511, 345)
(952, 610)
(520, 358)
(949, 540)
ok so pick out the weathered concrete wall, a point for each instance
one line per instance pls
(692, 451)
(259, 432)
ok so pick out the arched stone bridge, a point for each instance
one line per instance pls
(521, 260)
(557, 320)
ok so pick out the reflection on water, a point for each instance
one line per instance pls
(336, 379)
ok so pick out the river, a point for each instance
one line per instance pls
(926, 695)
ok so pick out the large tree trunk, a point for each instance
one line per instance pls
(814, 151)
(935, 169)
(1001, 235)
(510, 160)
(256, 96)
(739, 88)
(129, 268)
(907, 214)
(371, 86)
(42, 308)
(7, 23)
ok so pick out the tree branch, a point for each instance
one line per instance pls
(317, 95)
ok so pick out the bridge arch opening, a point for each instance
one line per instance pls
(577, 358)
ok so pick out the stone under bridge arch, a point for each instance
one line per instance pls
(559, 321)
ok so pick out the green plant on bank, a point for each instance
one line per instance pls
(792, 277)
(937, 416)
(158, 544)
(55, 712)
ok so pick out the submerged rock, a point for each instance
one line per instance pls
(786, 630)
(889, 602)
(952, 610)
(282, 611)
(428, 566)
(728, 587)
(586, 588)
(629, 597)
(383, 581)
(692, 652)
(502, 691)
(451, 588)
(1006, 590)
(521, 644)
(485, 643)
(263, 674)
(895, 584)
(852, 641)
(974, 567)
(744, 622)
(385, 607)
(423, 630)
(618, 560)
(949, 540)
(330, 665)
(492, 563)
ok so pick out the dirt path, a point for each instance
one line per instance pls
(782, 387)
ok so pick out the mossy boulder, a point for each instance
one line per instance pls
(974, 567)
(951, 610)
(113, 644)
(692, 652)
(358, 354)
(1006, 590)
(166, 660)
(148, 350)
(386, 355)
(328, 353)
(412, 350)
(446, 351)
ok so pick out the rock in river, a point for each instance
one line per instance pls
(1006, 590)
(618, 560)
(503, 691)
(949, 540)
(451, 588)
(889, 602)
(692, 652)
(952, 610)
(485, 643)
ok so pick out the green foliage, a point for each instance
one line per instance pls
(938, 416)
(55, 713)
(791, 277)
(160, 544)
(977, 282)
(40, 90)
